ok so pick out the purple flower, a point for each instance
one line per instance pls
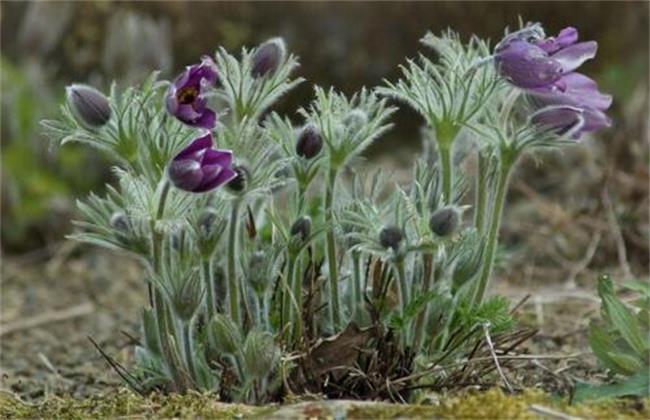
(199, 168)
(573, 103)
(185, 99)
(533, 63)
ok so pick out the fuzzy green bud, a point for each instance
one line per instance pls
(261, 354)
(355, 120)
(226, 337)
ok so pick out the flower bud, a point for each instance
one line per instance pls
(226, 337)
(309, 142)
(260, 353)
(91, 107)
(444, 221)
(186, 300)
(120, 222)
(355, 120)
(391, 237)
(268, 57)
(259, 271)
(239, 183)
(207, 220)
(301, 227)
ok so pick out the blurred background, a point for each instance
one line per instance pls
(601, 186)
(570, 216)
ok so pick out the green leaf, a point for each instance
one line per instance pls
(627, 362)
(602, 345)
(621, 317)
(640, 286)
(637, 385)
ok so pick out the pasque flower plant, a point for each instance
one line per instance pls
(268, 270)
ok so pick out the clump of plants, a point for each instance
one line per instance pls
(277, 262)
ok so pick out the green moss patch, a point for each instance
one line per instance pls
(490, 404)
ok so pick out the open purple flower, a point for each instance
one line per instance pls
(574, 97)
(199, 168)
(532, 62)
(185, 98)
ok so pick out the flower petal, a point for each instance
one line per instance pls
(196, 149)
(207, 119)
(526, 65)
(217, 157)
(185, 174)
(573, 56)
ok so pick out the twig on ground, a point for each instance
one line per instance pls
(494, 356)
(547, 412)
(584, 262)
(46, 318)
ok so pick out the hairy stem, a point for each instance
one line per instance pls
(296, 313)
(164, 319)
(505, 165)
(208, 282)
(335, 307)
(427, 262)
(481, 193)
(188, 347)
(403, 286)
(357, 294)
(233, 287)
(286, 296)
(447, 171)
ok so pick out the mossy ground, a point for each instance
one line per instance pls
(492, 404)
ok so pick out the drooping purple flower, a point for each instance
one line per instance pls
(533, 62)
(185, 98)
(199, 168)
(571, 103)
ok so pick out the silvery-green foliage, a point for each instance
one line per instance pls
(252, 149)
(282, 132)
(505, 126)
(337, 119)
(247, 96)
(450, 91)
(179, 280)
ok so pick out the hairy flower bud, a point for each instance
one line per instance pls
(444, 221)
(207, 221)
(239, 183)
(301, 227)
(259, 271)
(186, 299)
(226, 337)
(309, 142)
(268, 57)
(355, 120)
(120, 222)
(260, 353)
(90, 106)
(391, 237)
